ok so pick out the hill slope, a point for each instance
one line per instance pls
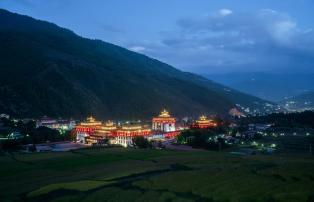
(45, 69)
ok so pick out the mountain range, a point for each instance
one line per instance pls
(49, 70)
(283, 85)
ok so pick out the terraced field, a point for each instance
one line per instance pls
(155, 175)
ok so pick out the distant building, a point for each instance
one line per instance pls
(164, 122)
(57, 124)
(5, 116)
(233, 125)
(236, 113)
(203, 122)
(259, 127)
(15, 135)
(164, 127)
(85, 129)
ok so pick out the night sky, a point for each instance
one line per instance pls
(202, 36)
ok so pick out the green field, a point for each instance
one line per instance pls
(155, 175)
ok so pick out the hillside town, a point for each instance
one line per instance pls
(162, 101)
(93, 132)
(163, 130)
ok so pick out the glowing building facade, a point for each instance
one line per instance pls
(96, 132)
(57, 124)
(102, 134)
(124, 135)
(106, 129)
(203, 122)
(164, 122)
(86, 129)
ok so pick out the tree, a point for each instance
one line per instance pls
(44, 134)
(141, 142)
(10, 145)
(203, 138)
(32, 148)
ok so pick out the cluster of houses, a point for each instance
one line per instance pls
(57, 124)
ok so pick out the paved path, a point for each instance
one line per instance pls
(60, 146)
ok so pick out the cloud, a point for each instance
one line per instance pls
(225, 12)
(231, 41)
(137, 48)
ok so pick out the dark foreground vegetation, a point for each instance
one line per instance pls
(211, 138)
(28, 134)
(292, 133)
(290, 120)
(141, 142)
(154, 175)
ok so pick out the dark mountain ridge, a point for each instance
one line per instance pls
(48, 70)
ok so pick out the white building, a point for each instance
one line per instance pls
(164, 122)
(57, 124)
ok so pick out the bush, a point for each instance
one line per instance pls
(10, 145)
(200, 138)
(141, 142)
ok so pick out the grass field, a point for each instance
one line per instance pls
(155, 175)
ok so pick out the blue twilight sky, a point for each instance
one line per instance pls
(202, 36)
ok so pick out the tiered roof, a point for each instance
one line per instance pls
(90, 121)
(163, 117)
(204, 122)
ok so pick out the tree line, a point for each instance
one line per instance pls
(29, 134)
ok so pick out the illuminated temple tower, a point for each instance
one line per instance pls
(203, 122)
(86, 129)
(164, 122)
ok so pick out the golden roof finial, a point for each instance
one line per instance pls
(203, 118)
(164, 113)
(109, 123)
(91, 119)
